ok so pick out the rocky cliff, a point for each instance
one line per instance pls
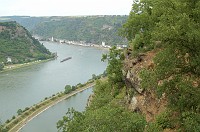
(139, 99)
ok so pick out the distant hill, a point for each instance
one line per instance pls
(91, 29)
(18, 46)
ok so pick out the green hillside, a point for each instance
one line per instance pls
(91, 29)
(17, 44)
(94, 29)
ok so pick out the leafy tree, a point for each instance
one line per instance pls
(114, 68)
(73, 88)
(94, 76)
(68, 89)
(104, 119)
(19, 112)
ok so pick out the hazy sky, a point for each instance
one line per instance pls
(64, 7)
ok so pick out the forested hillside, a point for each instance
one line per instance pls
(18, 46)
(94, 29)
(91, 29)
(154, 85)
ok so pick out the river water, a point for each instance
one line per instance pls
(26, 86)
(46, 122)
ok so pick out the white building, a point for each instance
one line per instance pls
(52, 39)
(9, 59)
(103, 44)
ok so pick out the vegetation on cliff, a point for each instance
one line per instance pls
(170, 30)
(18, 46)
(106, 111)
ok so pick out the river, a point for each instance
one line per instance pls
(26, 86)
(46, 122)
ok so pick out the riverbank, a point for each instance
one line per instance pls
(97, 46)
(21, 120)
(17, 66)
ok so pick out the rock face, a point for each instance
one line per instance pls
(139, 99)
(90, 100)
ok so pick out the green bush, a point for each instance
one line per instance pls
(7, 121)
(19, 112)
(163, 120)
(68, 89)
(13, 117)
(153, 127)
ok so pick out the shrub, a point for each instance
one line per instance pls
(13, 117)
(68, 89)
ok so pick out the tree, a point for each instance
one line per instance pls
(114, 68)
(94, 77)
(106, 119)
(1, 66)
(68, 89)
(73, 88)
(19, 112)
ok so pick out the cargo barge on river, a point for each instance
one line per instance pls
(68, 58)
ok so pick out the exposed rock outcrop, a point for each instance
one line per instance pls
(139, 99)
(90, 100)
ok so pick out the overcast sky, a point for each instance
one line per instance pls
(64, 7)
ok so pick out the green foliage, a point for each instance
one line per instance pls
(2, 129)
(191, 122)
(114, 68)
(163, 120)
(91, 29)
(13, 117)
(173, 27)
(138, 42)
(1, 66)
(73, 88)
(103, 113)
(103, 95)
(147, 76)
(153, 127)
(18, 44)
(19, 112)
(7, 121)
(68, 89)
(104, 119)
(139, 25)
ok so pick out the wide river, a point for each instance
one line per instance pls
(21, 88)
